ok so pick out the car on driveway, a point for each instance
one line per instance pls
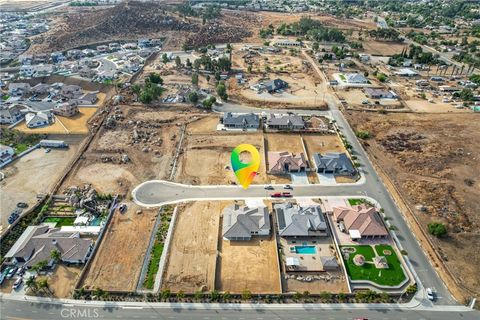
(17, 283)
(429, 293)
(276, 195)
(287, 186)
(11, 272)
(286, 194)
(22, 205)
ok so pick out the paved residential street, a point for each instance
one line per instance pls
(15, 310)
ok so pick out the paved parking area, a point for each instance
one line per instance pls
(327, 179)
(299, 178)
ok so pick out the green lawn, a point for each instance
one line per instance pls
(354, 202)
(61, 221)
(390, 277)
(342, 76)
(153, 265)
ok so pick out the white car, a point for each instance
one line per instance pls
(17, 283)
(430, 294)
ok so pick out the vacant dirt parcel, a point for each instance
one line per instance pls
(206, 159)
(249, 265)
(193, 248)
(118, 262)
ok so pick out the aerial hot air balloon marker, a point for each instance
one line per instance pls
(245, 172)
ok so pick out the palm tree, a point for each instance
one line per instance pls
(55, 255)
(31, 284)
(180, 294)
(43, 284)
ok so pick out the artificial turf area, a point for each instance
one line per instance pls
(392, 276)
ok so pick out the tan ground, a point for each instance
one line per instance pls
(355, 97)
(206, 159)
(63, 281)
(443, 175)
(204, 125)
(249, 265)
(331, 286)
(64, 125)
(193, 248)
(322, 144)
(45, 167)
(284, 142)
(423, 106)
(383, 48)
(119, 259)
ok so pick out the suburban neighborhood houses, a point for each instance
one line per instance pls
(239, 159)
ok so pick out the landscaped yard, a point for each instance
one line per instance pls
(354, 202)
(392, 276)
(157, 248)
(60, 221)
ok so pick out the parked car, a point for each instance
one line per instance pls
(48, 150)
(11, 272)
(122, 208)
(22, 205)
(430, 295)
(13, 216)
(268, 188)
(17, 283)
(286, 194)
(21, 271)
(276, 195)
(287, 186)
(2, 277)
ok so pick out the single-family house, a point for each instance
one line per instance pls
(71, 91)
(39, 119)
(286, 162)
(18, 88)
(355, 78)
(87, 99)
(275, 85)
(374, 93)
(360, 221)
(11, 114)
(6, 154)
(66, 109)
(242, 222)
(37, 243)
(406, 72)
(296, 221)
(290, 122)
(334, 163)
(241, 120)
(40, 89)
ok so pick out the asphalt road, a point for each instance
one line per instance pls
(19, 310)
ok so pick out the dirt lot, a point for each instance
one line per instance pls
(251, 265)
(206, 158)
(45, 167)
(431, 162)
(322, 144)
(382, 48)
(284, 142)
(193, 248)
(118, 261)
(63, 280)
(204, 125)
(334, 285)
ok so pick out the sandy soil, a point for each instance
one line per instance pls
(251, 265)
(439, 170)
(193, 248)
(322, 144)
(118, 262)
(284, 142)
(332, 286)
(63, 281)
(206, 159)
(382, 48)
(45, 167)
(204, 125)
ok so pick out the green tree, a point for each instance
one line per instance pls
(325, 296)
(297, 295)
(165, 294)
(193, 97)
(180, 294)
(195, 79)
(214, 295)
(178, 62)
(98, 292)
(188, 63)
(246, 294)
(341, 296)
(55, 255)
(164, 58)
(31, 284)
(249, 68)
(411, 289)
(44, 285)
(198, 295)
(155, 78)
(227, 296)
(381, 77)
(222, 91)
(437, 229)
(136, 89)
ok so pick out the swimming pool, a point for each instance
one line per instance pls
(305, 249)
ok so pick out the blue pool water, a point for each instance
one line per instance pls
(305, 249)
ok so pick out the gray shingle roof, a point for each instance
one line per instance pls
(242, 222)
(237, 119)
(337, 162)
(296, 221)
(285, 120)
